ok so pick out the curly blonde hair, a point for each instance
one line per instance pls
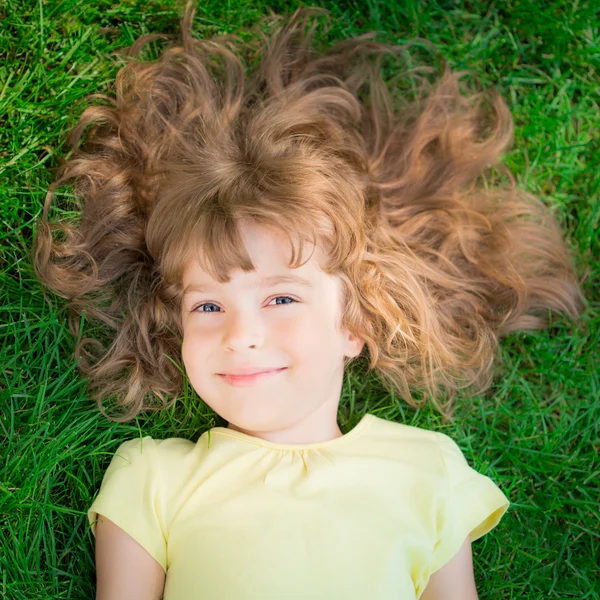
(436, 262)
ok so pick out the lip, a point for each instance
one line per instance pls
(245, 380)
(248, 371)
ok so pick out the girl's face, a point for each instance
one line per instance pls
(259, 325)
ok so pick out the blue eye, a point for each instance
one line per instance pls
(205, 304)
(197, 308)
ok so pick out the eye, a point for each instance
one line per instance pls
(200, 306)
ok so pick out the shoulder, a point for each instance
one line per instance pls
(394, 429)
(148, 473)
(418, 444)
(411, 434)
(408, 433)
(153, 458)
(147, 448)
(435, 456)
(138, 489)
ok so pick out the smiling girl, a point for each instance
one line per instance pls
(256, 232)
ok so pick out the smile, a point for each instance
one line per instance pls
(244, 380)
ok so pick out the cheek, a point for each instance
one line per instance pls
(192, 353)
(187, 363)
(307, 336)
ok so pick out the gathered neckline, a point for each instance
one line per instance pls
(250, 439)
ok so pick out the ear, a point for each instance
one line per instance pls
(352, 345)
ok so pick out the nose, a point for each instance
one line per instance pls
(243, 330)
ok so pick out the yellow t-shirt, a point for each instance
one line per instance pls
(371, 514)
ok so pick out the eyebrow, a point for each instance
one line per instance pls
(264, 282)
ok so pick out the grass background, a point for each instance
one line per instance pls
(535, 432)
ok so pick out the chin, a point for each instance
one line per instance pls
(251, 425)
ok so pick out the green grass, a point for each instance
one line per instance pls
(536, 432)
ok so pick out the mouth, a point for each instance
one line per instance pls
(245, 380)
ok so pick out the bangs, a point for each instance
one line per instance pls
(214, 239)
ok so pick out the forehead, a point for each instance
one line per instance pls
(270, 252)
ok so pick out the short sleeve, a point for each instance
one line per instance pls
(129, 495)
(473, 504)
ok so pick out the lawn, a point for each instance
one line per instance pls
(535, 431)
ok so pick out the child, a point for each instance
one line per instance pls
(284, 223)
